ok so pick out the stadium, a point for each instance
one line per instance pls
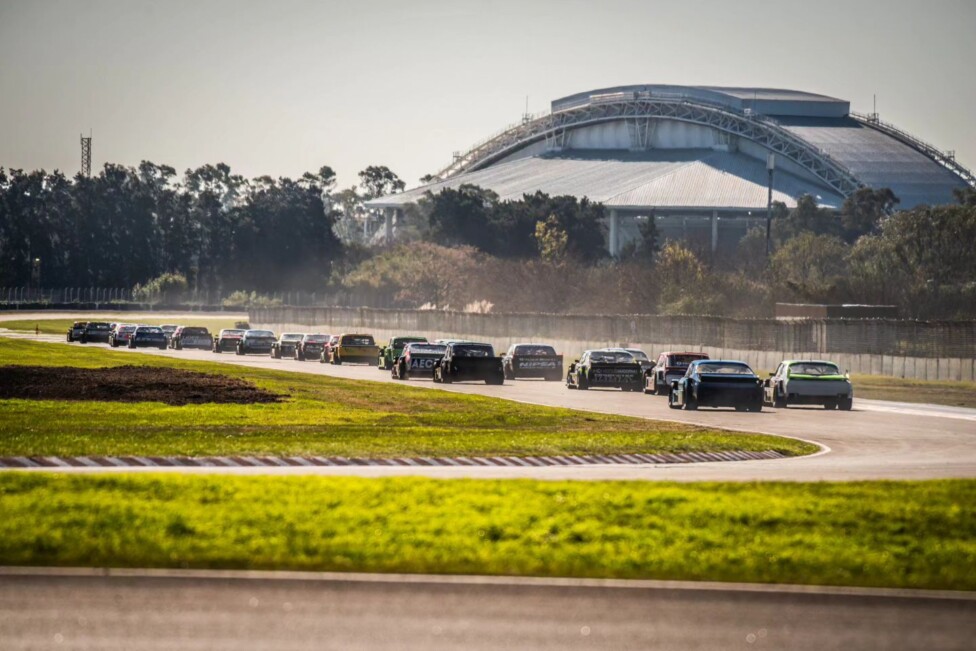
(697, 159)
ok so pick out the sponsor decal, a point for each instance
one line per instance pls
(614, 377)
(422, 363)
(537, 363)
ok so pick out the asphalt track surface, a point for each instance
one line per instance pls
(150, 610)
(876, 440)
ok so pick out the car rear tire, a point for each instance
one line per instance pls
(691, 404)
(671, 403)
(845, 404)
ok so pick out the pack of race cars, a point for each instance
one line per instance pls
(689, 379)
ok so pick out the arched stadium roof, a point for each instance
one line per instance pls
(700, 147)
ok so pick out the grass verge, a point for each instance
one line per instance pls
(330, 417)
(60, 326)
(953, 394)
(906, 534)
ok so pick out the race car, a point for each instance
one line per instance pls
(670, 366)
(418, 358)
(532, 360)
(311, 346)
(120, 334)
(469, 362)
(168, 330)
(191, 337)
(390, 352)
(227, 339)
(96, 332)
(639, 356)
(256, 342)
(605, 368)
(355, 349)
(717, 383)
(327, 348)
(76, 330)
(147, 337)
(808, 382)
(286, 345)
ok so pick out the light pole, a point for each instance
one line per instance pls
(770, 167)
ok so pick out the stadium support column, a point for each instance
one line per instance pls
(714, 231)
(388, 216)
(614, 233)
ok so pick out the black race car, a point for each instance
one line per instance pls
(286, 345)
(469, 362)
(227, 339)
(191, 337)
(311, 347)
(96, 332)
(417, 359)
(76, 330)
(717, 383)
(256, 342)
(605, 368)
(148, 337)
(533, 360)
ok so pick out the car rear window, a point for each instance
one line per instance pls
(232, 332)
(98, 326)
(195, 331)
(535, 350)
(682, 360)
(813, 369)
(612, 357)
(261, 333)
(292, 337)
(316, 339)
(725, 369)
(473, 350)
(357, 340)
(427, 348)
(153, 330)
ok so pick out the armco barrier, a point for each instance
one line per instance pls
(920, 350)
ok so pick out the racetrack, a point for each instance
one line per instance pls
(877, 440)
(140, 609)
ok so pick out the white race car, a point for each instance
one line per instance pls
(808, 382)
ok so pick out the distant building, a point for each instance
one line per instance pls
(695, 158)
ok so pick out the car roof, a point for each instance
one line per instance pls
(790, 362)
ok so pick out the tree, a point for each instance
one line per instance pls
(965, 196)
(378, 181)
(863, 211)
(551, 239)
(807, 217)
(811, 268)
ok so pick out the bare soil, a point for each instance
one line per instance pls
(127, 384)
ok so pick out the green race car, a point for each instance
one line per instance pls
(808, 382)
(392, 351)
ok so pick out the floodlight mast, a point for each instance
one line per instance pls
(86, 155)
(770, 167)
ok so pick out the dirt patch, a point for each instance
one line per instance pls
(127, 384)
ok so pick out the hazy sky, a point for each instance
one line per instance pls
(283, 87)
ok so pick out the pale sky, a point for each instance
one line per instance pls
(284, 87)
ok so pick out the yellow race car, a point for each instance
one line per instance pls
(355, 349)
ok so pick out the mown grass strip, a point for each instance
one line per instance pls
(328, 417)
(942, 392)
(909, 534)
(60, 326)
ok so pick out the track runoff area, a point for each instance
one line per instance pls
(876, 440)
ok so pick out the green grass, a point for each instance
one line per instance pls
(876, 387)
(907, 534)
(60, 326)
(330, 417)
